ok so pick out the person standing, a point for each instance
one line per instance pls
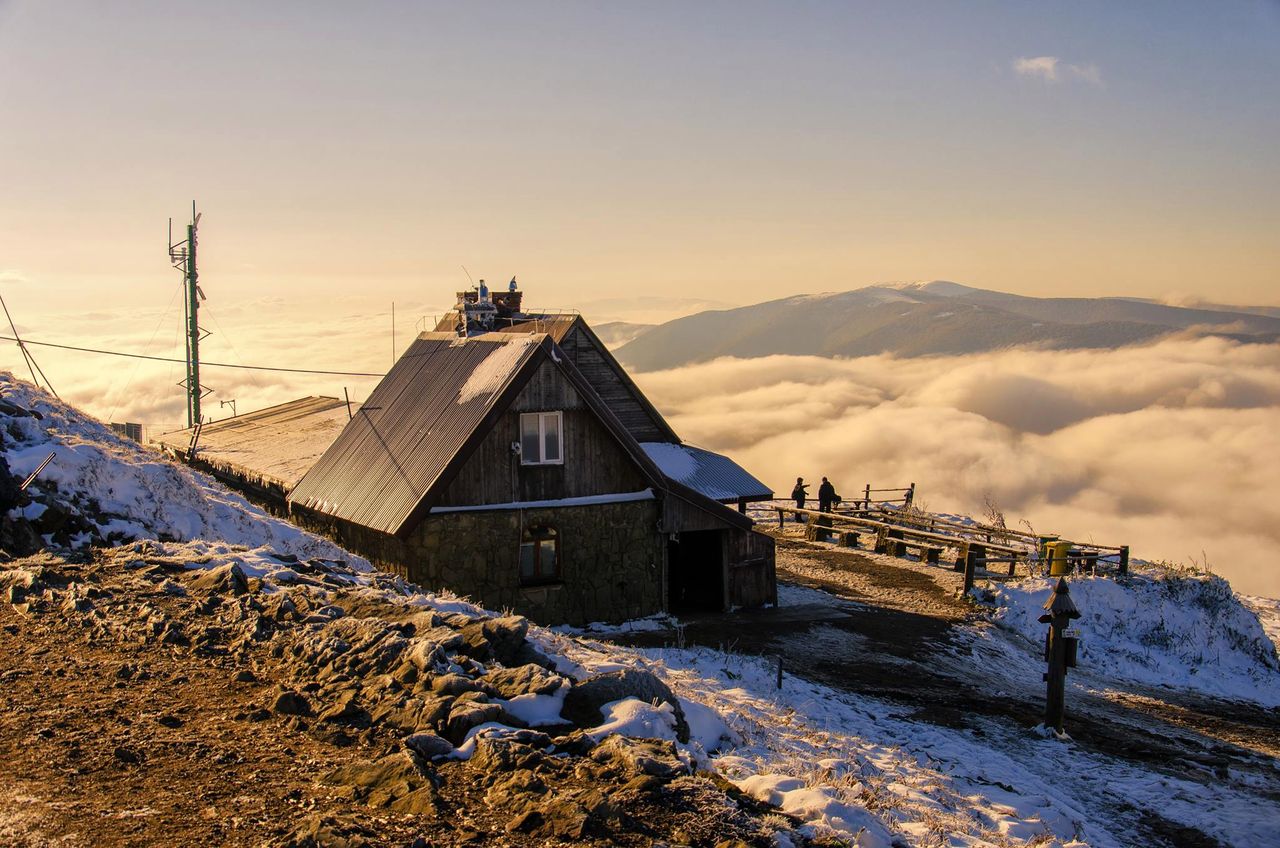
(798, 494)
(827, 497)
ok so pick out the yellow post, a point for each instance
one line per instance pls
(1058, 558)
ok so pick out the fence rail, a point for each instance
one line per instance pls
(975, 546)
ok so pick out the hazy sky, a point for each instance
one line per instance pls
(740, 151)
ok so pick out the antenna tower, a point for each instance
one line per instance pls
(183, 256)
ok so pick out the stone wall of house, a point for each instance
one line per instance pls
(612, 558)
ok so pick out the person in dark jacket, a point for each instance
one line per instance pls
(827, 497)
(798, 494)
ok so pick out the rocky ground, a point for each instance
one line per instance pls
(146, 699)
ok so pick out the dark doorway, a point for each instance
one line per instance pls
(695, 571)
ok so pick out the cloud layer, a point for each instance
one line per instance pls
(1170, 448)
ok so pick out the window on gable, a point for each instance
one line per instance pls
(539, 555)
(541, 438)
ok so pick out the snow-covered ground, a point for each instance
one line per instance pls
(1182, 631)
(866, 770)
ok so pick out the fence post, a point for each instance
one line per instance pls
(1124, 559)
(970, 565)
(779, 671)
(1059, 611)
(867, 501)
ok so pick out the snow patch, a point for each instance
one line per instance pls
(496, 368)
(633, 717)
(1184, 631)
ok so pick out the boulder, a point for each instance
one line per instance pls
(453, 684)
(428, 745)
(582, 704)
(345, 709)
(224, 580)
(410, 713)
(398, 782)
(518, 750)
(508, 683)
(654, 757)
(468, 714)
(502, 639)
(288, 702)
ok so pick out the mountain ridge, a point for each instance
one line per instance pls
(938, 317)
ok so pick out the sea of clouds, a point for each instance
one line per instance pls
(1172, 448)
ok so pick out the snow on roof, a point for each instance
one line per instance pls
(278, 444)
(496, 369)
(711, 474)
(416, 420)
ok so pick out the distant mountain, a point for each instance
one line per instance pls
(648, 309)
(617, 333)
(922, 319)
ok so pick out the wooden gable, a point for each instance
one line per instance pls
(614, 386)
(595, 463)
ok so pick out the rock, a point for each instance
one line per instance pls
(55, 518)
(508, 683)
(520, 750)
(169, 720)
(641, 784)
(244, 675)
(10, 494)
(410, 713)
(517, 790)
(453, 684)
(346, 710)
(583, 702)
(396, 782)
(496, 638)
(641, 756)
(526, 822)
(468, 714)
(564, 819)
(223, 580)
(428, 745)
(328, 831)
(577, 744)
(288, 702)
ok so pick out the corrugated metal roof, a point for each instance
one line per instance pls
(711, 474)
(413, 425)
(277, 445)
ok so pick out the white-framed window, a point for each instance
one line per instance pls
(541, 438)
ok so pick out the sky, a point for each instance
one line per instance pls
(641, 161)
(740, 150)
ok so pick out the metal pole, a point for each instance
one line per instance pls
(193, 326)
(25, 356)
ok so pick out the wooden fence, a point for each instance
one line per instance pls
(975, 547)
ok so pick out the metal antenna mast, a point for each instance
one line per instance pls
(183, 256)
